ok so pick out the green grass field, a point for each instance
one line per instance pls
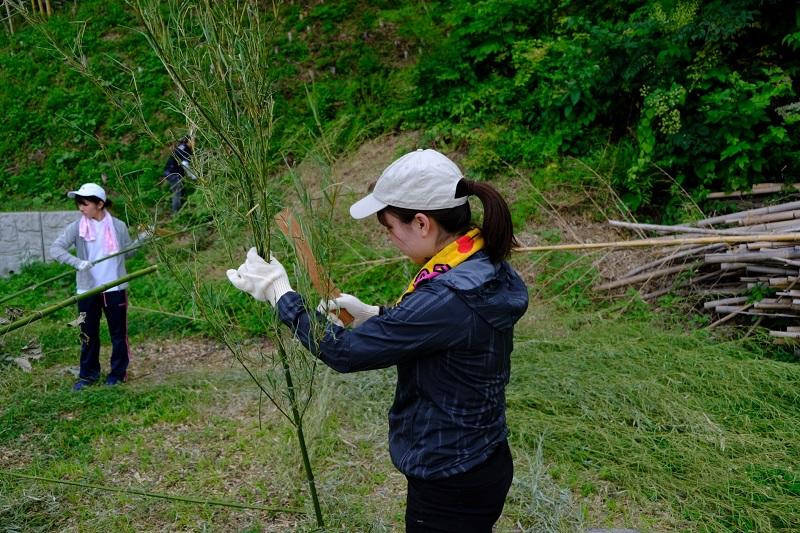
(627, 421)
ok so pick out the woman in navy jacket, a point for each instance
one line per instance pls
(450, 336)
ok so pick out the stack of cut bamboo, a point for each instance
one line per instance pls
(729, 275)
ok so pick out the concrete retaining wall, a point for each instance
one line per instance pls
(26, 237)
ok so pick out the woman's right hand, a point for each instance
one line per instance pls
(84, 265)
(360, 311)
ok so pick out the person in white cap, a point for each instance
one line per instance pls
(450, 335)
(95, 235)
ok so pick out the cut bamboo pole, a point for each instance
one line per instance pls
(725, 309)
(35, 286)
(158, 495)
(769, 217)
(760, 245)
(758, 279)
(37, 315)
(786, 334)
(648, 276)
(725, 301)
(760, 188)
(668, 258)
(747, 257)
(641, 243)
(668, 229)
(733, 217)
(770, 305)
(138, 244)
(8, 17)
(682, 283)
(758, 269)
(720, 290)
(783, 281)
(732, 266)
(785, 226)
(724, 319)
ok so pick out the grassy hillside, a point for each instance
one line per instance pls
(63, 127)
(674, 96)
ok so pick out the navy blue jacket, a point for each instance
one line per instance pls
(174, 165)
(451, 340)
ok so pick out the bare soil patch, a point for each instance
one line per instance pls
(156, 360)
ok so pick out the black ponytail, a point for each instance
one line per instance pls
(497, 229)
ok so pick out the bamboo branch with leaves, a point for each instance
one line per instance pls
(217, 57)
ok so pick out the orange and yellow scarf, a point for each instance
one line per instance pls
(447, 258)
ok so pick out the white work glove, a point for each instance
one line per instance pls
(263, 281)
(146, 233)
(360, 311)
(84, 265)
(185, 164)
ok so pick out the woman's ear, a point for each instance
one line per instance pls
(422, 223)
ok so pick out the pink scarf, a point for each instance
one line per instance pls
(110, 243)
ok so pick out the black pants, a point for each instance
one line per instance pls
(114, 304)
(466, 503)
(175, 181)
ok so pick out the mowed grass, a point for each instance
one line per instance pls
(615, 421)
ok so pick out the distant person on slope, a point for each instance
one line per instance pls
(95, 235)
(450, 336)
(177, 168)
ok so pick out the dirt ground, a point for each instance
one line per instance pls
(155, 361)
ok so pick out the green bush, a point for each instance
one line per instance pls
(706, 92)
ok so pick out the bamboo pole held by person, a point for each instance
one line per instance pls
(37, 315)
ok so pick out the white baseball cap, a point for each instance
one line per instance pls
(423, 180)
(89, 189)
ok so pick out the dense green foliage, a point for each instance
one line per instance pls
(691, 95)
(704, 91)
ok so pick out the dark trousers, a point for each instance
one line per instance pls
(175, 181)
(114, 305)
(465, 503)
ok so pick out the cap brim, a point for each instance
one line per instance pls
(369, 205)
(72, 194)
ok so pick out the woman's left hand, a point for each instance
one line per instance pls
(264, 281)
(360, 311)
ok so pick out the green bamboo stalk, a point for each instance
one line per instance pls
(37, 315)
(158, 495)
(298, 424)
(223, 79)
(35, 286)
(125, 251)
(64, 274)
